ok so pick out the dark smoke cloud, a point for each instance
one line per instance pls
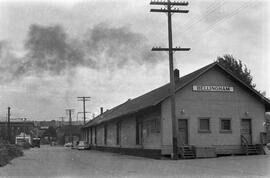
(117, 47)
(49, 49)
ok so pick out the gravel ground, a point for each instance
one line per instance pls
(64, 162)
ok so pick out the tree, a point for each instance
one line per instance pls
(50, 132)
(239, 69)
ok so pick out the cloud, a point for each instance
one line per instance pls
(114, 48)
(51, 51)
(56, 68)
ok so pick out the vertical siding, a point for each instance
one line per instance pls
(111, 134)
(128, 132)
(100, 135)
(151, 139)
(89, 135)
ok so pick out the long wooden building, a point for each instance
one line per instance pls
(216, 114)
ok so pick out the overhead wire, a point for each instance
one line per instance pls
(211, 9)
(223, 19)
(194, 18)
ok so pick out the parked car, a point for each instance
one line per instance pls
(75, 144)
(69, 144)
(36, 142)
(83, 145)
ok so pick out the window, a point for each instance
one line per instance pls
(118, 132)
(225, 125)
(204, 125)
(155, 125)
(105, 134)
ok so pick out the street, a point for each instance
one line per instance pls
(64, 162)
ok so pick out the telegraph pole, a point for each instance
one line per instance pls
(169, 10)
(69, 112)
(62, 120)
(8, 126)
(24, 119)
(83, 99)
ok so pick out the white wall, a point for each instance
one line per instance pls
(214, 105)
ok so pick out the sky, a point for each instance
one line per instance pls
(52, 52)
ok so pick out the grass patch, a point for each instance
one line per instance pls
(9, 152)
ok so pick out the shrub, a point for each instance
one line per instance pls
(8, 152)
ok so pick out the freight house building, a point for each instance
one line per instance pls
(216, 114)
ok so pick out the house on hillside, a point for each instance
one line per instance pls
(216, 114)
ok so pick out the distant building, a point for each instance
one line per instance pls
(68, 133)
(55, 123)
(17, 127)
(216, 114)
(47, 124)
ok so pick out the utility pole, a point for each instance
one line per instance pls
(69, 112)
(8, 126)
(62, 120)
(83, 99)
(24, 119)
(169, 10)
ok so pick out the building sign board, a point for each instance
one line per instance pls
(212, 88)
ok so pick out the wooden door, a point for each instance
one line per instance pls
(182, 132)
(246, 130)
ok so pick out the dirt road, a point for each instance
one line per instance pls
(64, 162)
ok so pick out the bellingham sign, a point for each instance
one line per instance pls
(212, 88)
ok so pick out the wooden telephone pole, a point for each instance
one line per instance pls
(62, 121)
(83, 99)
(8, 126)
(169, 10)
(69, 112)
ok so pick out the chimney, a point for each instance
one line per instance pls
(101, 110)
(176, 74)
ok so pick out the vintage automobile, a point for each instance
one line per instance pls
(36, 142)
(83, 145)
(69, 144)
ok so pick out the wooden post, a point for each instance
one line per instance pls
(171, 50)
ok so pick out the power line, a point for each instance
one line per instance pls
(235, 12)
(223, 19)
(212, 10)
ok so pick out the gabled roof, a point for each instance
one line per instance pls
(158, 95)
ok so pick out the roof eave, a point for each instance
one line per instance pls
(117, 117)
